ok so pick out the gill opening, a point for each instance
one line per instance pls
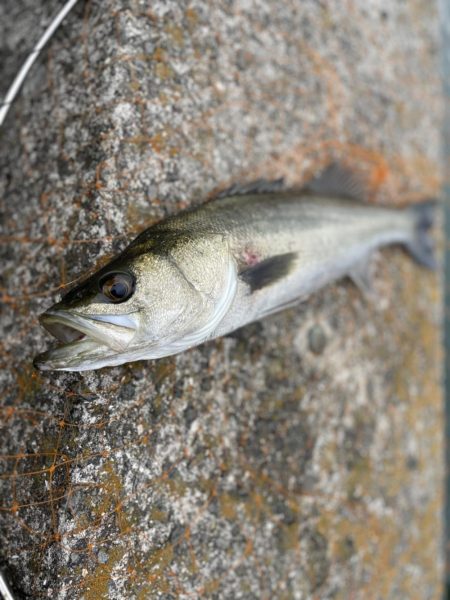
(194, 338)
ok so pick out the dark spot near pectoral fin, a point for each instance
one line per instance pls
(268, 271)
(338, 181)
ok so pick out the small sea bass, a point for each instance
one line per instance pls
(208, 271)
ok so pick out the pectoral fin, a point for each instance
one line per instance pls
(268, 271)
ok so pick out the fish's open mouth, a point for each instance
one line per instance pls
(69, 327)
(81, 337)
(64, 333)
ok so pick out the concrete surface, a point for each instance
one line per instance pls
(444, 17)
(299, 458)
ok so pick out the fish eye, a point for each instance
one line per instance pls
(117, 287)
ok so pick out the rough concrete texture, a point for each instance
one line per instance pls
(299, 458)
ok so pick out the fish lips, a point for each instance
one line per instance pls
(84, 336)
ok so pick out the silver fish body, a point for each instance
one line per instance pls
(208, 271)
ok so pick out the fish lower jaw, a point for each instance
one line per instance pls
(80, 355)
(81, 343)
(87, 354)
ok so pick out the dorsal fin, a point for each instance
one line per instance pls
(336, 180)
(259, 186)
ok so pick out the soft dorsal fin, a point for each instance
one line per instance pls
(336, 180)
(259, 186)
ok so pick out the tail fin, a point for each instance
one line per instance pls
(421, 247)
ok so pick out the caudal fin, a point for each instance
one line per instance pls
(421, 247)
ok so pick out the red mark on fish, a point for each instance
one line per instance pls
(251, 257)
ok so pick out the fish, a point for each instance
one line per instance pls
(207, 271)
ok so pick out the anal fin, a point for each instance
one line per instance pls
(362, 275)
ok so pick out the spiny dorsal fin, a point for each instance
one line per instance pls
(259, 186)
(336, 180)
(268, 271)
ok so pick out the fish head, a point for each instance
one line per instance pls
(139, 306)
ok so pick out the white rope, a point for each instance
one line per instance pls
(5, 590)
(21, 75)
